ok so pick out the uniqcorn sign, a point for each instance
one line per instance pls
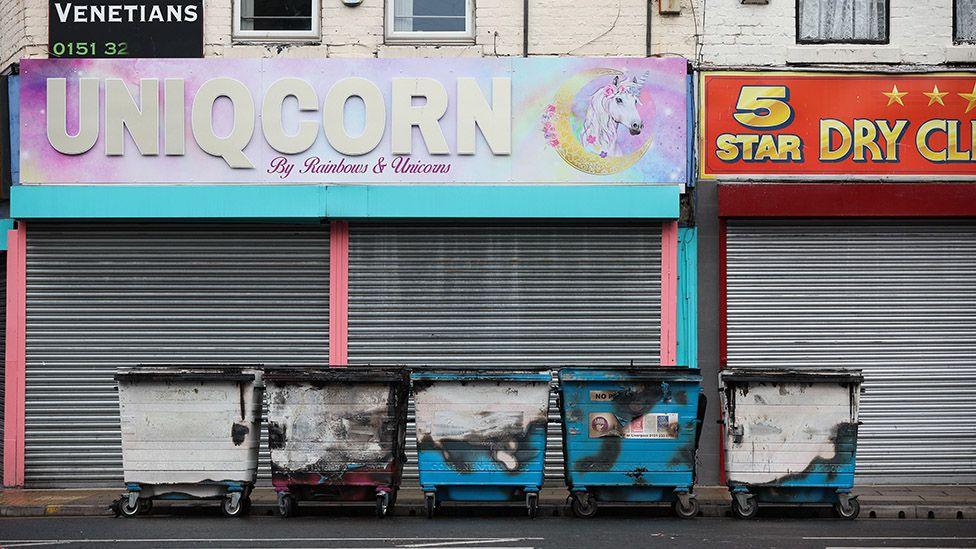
(572, 120)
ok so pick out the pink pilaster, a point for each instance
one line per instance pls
(669, 293)
(339, 293)
(14, 361)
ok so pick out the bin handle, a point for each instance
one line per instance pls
(702, 406)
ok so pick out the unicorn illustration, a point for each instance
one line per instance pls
(609, 107)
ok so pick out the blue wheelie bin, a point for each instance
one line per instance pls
(790, 437)
(481, 434)
(630, 435)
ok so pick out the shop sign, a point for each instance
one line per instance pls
(133, 28)
(571, 120)
(810, 125)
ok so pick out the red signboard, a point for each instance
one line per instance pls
(777, 124)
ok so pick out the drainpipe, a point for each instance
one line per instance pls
(525, 28)
(650, 9)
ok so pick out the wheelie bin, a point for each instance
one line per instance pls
(189, 432)
(337, 434)
(481, 434)
(630, 435)
(790, 437)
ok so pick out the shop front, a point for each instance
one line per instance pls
(334, 213)
(847, 207)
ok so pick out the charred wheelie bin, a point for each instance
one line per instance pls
(790, 437)
(481, 434)
(189, 432)
(337, 434)
(630, 435)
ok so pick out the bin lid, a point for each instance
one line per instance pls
(373, 374)
(788, 375)
(189, 372)
(630, 373)
(481, 374)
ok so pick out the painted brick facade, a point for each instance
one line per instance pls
(557, 27)
(737, 34)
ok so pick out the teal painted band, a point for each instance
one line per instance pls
(165, 202)
(5, 225)
(344, 201)
(688, 296)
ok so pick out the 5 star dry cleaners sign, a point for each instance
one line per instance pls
(776, 125)
(125, 28)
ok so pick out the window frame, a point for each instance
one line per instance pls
(879, 42)
(315, 34)
(429, 37)
(955, 22)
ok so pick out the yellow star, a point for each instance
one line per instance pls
(971, 97)
(894, 96)
(935, 96)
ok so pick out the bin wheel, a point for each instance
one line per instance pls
(689, 512)
(850, 513)
(747, 512)
(583, 505)
(532, 502)
(430, 502)
(145, 506)
(287, 506)
(127, 510)
(228, 508)
(383, 501)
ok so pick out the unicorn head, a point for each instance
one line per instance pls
(610, 107)
(623, 103)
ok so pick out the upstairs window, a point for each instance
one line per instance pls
(842, 21)
(276, 19)
(965, 18)
(430, 20)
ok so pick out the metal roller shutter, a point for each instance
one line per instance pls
(104, 296)
(897, 299)
(505, 294)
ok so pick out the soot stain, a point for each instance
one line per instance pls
(844, 437)
(638, 475)
(276, 436)
(458, 452)
(238, 432)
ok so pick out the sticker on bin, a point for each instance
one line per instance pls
(645, 426)
(604, 396)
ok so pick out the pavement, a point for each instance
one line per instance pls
(877, 502)
(356, 528)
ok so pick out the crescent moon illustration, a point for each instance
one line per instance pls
(570, 148)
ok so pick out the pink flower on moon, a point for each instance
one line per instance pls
(550, 108)
(590, 139)
(554, 142)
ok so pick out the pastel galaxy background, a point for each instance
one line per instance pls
(534, 83)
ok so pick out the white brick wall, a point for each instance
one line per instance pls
(557, 27)
(731, 33)
(738, 34)
(23, 30)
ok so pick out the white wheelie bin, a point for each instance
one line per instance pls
(189, 432)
